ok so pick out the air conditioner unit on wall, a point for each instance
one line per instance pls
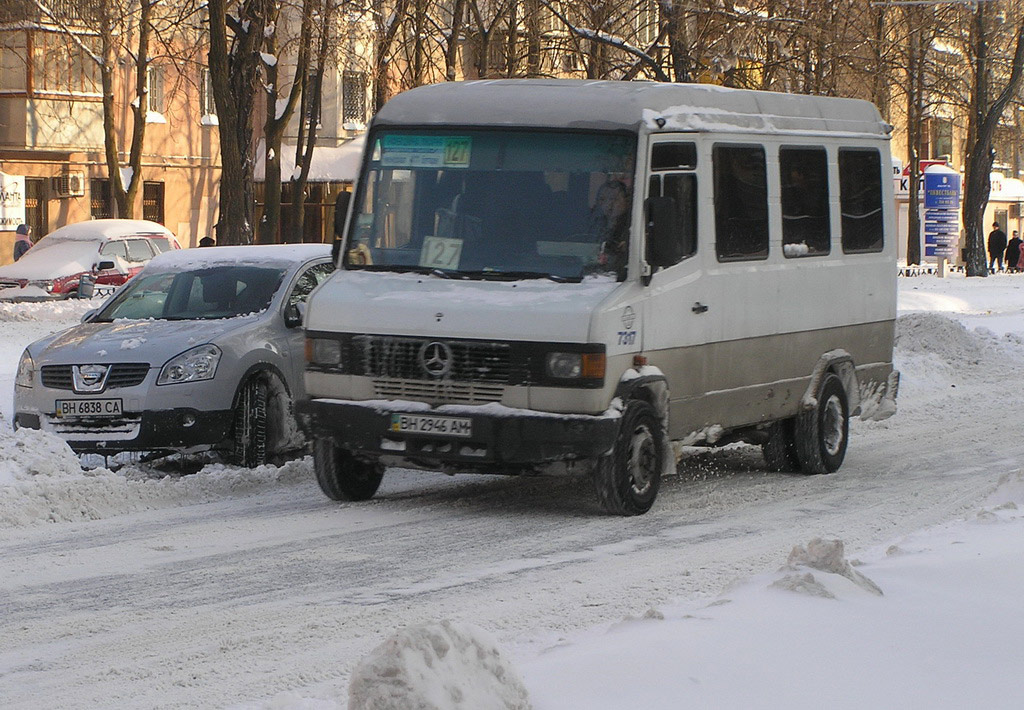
(69, 184)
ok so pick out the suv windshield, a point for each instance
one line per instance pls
(199, 294)
(495, 204)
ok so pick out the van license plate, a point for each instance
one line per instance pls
(88, 407)
(435, 426)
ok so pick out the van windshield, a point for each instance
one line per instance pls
(495, 204)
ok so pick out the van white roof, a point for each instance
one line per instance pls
(627, 105)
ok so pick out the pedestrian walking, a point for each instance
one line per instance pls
(996, 247)
(22, 241)
(1013, 253)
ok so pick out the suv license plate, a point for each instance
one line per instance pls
(88, 407)
(435, 426)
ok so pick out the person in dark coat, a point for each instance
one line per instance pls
(1013, 253)
(996, 247)
(22, 241)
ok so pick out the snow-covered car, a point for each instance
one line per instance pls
(202, 350)
(111, 251)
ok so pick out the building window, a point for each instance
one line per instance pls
(153, 201)
(860, 197)
(353, 93)
(206, 103)
(154, 90)
(101, 202)
(61, 66)
(741, 202)
(803, 174)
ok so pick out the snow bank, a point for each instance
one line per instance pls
(71, 309)
(443, 666)
(42, 481)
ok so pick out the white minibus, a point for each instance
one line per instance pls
(568, 276)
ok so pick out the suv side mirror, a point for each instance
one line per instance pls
(87, 316)
(294, 314)
(105, 266)
(663, 228)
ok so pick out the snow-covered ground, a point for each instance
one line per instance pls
(894, 583)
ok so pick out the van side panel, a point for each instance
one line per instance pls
(760, 379)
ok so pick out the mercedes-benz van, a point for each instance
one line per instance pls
(557, 275)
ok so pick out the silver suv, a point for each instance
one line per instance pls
(202, 350)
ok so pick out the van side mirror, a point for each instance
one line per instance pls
(663, 229)
(86, 286)
(294, 314)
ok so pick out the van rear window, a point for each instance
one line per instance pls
(803, 173)
(860, 196)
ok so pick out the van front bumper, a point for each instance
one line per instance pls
(500, 439)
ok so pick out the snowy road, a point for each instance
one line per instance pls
(233, 591)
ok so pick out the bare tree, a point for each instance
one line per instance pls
(985, 115)
(124, 29)
(236, 44)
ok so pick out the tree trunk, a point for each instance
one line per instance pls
(234, 73)
(985, 119)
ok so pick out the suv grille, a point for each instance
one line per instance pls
(122, 374)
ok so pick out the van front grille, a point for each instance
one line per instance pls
(401, 358)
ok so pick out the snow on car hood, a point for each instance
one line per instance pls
(152, 341)
(53, 261)
(418, 304)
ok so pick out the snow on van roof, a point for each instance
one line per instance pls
(262, 254)
(95, 229)
(627, 105)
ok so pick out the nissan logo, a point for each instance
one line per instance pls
(436, 359)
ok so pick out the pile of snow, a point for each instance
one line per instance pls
(43, 481)
(443, 666)
(944, 635)
(71, 309)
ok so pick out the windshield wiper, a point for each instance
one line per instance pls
(495, 275)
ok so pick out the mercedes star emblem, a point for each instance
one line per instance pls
(436, 359)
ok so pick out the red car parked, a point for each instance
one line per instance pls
(110, 250)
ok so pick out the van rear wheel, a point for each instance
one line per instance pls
(822, 432)
(627, 479)
(341, 475)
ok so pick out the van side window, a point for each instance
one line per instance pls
(860, 197)
(741, 203)
(673, 156)
(805, 214)
(682, 188)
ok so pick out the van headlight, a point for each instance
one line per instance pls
(26, 370)
(575, 366)
(199, 363)
(325, 352)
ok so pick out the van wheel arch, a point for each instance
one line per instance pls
(839, 363)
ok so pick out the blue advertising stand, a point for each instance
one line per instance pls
(942, 212)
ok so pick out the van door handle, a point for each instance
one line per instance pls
(699, 307)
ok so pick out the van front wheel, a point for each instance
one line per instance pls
(627, 479)
(822, 432)
(780, 448)
(342, 476)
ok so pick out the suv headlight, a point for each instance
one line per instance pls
(199, 363)
(26, 370)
